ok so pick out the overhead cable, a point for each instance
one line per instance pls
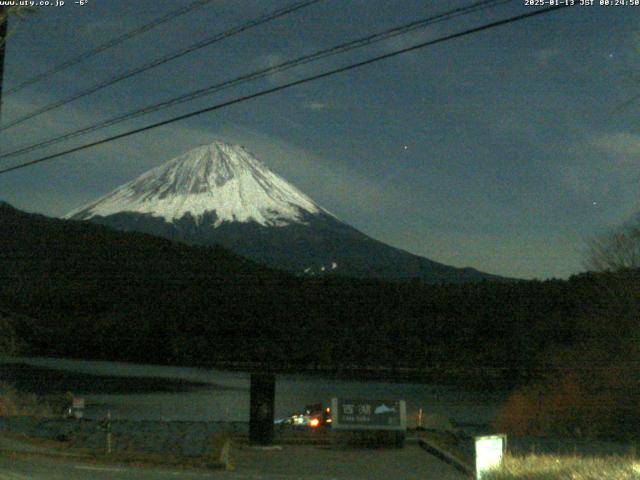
(287, 65)
(160, 61)
(302, 81)
(110, 44)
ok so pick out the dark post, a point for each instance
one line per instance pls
(263, 395)
(3, 38)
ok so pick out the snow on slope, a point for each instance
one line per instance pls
(219, 177)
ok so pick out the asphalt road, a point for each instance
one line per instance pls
(290, 463)
(58, 469)
(22, 461)
(323, 463)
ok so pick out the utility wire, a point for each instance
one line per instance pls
(344, 47)
(268, 91)
(110, 44)
(161, 61)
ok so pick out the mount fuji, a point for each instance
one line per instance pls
(222, 194)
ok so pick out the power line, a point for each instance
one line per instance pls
(161, 61)
(288, 85)
(4, 22)
(110, 44)
(344, 47)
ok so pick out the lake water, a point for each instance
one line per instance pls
(153, 392)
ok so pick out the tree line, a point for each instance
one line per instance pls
(81, 290)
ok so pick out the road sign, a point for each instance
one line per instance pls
(368, 414)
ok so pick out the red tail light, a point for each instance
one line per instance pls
(314, 422)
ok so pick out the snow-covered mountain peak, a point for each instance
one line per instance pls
(221, 178)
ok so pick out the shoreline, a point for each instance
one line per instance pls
(484, 380)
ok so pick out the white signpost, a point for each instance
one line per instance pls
(489, 452)
(77, 407)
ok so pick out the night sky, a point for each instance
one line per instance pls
(505, 150)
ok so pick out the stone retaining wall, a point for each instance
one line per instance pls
(190, 439)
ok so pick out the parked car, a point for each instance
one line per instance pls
(313, 416)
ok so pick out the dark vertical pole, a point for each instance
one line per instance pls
(263, 395)
(3, 38)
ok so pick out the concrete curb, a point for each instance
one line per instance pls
(448, 457)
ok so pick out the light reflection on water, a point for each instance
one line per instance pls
(225, 395)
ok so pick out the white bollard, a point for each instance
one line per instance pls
(489, 453)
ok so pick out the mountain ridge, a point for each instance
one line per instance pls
(222, 194)
(218, 177)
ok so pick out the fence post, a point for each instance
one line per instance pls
(108, 431)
